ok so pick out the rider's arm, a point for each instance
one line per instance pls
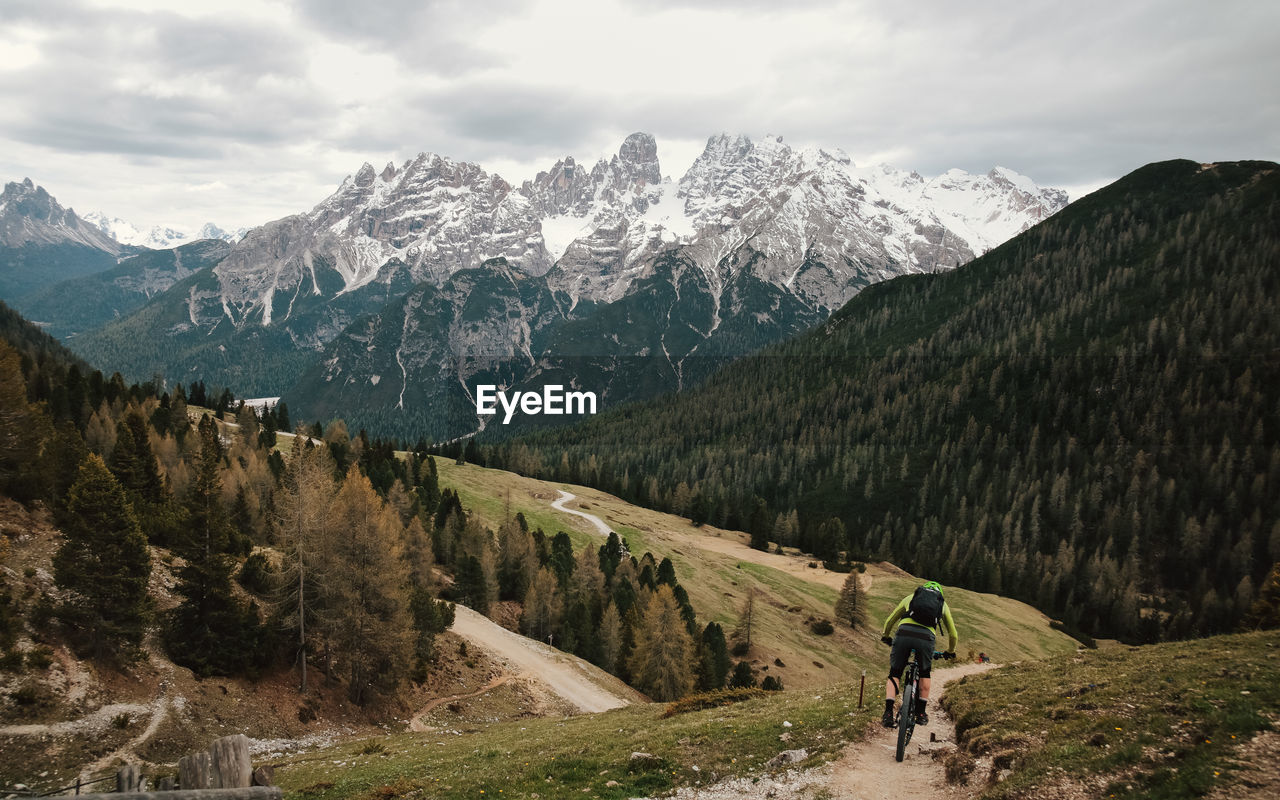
(949, 625)
(898, 613)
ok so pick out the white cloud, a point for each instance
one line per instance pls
(126, 105)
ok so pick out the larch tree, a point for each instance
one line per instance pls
(610, 638)
(851, 604)
(662, 661)
(746, 619)
(367, 581)
(305, 531)
(542, 606)
(103, 564)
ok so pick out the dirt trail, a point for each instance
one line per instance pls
(558, 504)
(587, 687)
(417, 725)
(159, 710)
(866, 770)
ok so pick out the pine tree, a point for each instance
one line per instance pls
(663, 659)
(1265, 612)
(103, 564)
(743, 677)
(211, 631)
(713, 668)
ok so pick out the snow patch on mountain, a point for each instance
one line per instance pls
(158, 237)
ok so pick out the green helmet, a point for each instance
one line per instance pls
(933, 585)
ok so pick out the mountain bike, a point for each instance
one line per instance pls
(907, 698)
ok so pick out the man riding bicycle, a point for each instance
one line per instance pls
(920, 614)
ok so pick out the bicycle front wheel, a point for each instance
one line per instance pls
(906, 719)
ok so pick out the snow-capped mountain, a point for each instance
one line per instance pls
(159, 237)
(42, 243)
(755, 241)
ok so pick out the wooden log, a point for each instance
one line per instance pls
(246, 793)
(194, 771)
(127, 778)
(232, 768)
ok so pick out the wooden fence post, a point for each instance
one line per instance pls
(127, 778)
(232, 768)
(193, 771)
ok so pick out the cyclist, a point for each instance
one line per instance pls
(920, 613)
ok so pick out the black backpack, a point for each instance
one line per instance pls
(926, 607)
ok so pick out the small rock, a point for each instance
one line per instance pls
(610, 784)
(786, 737)
(645, 760)
(1003, 774)
(786, 724)
(787, 757)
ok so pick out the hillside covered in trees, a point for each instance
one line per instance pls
(1085, 418)
(348, 555)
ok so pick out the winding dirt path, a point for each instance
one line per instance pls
(159, 709)
(584, 685)
(601, 527)
(418, 726)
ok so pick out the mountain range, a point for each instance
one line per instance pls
(159, 237)
(399, 292)
(1082, 418)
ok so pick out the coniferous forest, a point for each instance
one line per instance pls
(350, 553)
(1086, 418)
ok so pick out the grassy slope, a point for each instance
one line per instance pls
(1161, 721)
(579, 756)
(717, 568)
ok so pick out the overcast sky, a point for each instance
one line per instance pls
(241, 112)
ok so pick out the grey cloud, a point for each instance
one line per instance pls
(225, 50)
(440, 36)
(93, 92)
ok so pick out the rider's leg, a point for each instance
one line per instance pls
(897, 663)
(924, 656)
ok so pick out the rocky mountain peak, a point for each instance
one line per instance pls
(638, 158)
(30, 215)
(365, 175)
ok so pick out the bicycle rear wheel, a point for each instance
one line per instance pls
(906, 718)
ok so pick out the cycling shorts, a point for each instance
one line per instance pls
(911, 637)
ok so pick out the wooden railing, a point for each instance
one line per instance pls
(223, 772)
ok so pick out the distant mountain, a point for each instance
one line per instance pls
(159, 237)
(1083, 418)
(756, 241)
(85, 303)
(42, 243)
